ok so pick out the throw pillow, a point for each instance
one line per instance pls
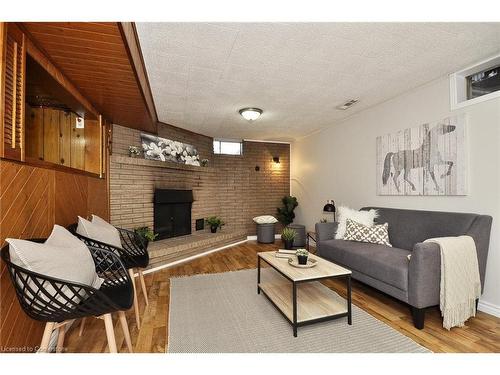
(265, 219)
(62, 256)
(376, 234)
(100, 232)
(362, 217)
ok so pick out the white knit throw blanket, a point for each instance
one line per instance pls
(460, 280)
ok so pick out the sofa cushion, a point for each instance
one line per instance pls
(362, 217)
(376, 234)
(387, 264)
(408, 227)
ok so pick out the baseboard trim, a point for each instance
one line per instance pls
(167, 265)
(254, 238)
(489, 308)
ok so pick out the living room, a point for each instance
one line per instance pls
(300, 184)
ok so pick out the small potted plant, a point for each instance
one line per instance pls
(133, 151)
(146, 234)
(302, 255)
(204, 162)
(215, 223)
(287, 236)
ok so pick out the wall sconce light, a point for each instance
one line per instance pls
(329, 208)
(276, 159)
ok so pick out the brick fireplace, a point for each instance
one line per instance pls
(230, 187)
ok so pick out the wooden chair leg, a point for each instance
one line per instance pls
(136, 303)
(60, 339)
(44, 345)
(110, 333)
(143, 285)
(126, 333)
(82, 325)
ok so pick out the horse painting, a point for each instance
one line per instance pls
(427, 156)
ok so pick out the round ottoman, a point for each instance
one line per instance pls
(265, 233)
(300, 238)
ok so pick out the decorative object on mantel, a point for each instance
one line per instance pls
(287, 236)
(133, 151)
(157, 148)
(214, 222)
(330, 208)
(204, 162)
(425, 160)
(285, 214)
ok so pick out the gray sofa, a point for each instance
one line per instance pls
(416, 281)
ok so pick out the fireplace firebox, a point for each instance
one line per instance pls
(172, 212)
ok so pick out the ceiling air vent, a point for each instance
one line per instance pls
(347, 104)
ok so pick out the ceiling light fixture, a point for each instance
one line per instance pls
(250, 114)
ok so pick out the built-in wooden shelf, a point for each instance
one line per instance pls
(120, 159)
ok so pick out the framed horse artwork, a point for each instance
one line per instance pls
(427, 160)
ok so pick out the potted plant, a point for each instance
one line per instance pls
(133, 151)
(146, 234)
(285, 214)
(204, 162)
(215, 223)
(302, 255)
(287, 236)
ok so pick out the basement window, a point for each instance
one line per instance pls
(475, 84)
(228, 147)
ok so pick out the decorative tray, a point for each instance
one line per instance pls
(295, 263)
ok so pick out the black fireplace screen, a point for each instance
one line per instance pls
(172, 212)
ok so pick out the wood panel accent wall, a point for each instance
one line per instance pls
(52, 136)
(32, 200)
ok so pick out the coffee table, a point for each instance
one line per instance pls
(298, 294)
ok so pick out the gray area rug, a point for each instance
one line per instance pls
(222, 313)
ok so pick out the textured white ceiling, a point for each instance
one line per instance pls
(201, 74)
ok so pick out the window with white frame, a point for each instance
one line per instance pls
(475, 84)
(228, 147)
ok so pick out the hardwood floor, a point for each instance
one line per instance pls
(481, 334)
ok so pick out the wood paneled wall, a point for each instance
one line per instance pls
(32, 200)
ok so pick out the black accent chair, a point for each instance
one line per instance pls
(60, 302)
(134, 254)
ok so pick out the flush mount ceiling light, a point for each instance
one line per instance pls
(250, 114)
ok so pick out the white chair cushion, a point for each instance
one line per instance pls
(265, 219)
(62, 256)
(98, 231)
(366, 218)
(100, 221)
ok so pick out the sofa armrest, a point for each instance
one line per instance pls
(424, 275)
(326, 231)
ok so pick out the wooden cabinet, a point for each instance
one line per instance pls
(12, 60)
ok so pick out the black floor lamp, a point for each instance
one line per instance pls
(330, 208)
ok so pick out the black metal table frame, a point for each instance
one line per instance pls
(294, 322)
